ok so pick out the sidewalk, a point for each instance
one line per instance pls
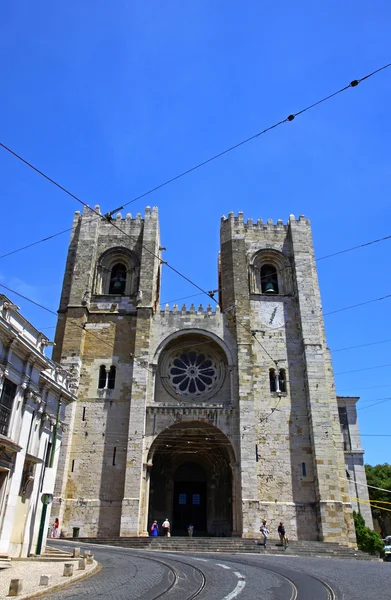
(30, 570)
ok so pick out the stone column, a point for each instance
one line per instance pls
(135, 500)
(236, 303)
(327, 452)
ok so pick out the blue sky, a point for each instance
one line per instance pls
(111, 99)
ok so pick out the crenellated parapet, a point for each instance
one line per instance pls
(184, 310)
(238, 222)
(108, 219)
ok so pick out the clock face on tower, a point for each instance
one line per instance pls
(272, 314)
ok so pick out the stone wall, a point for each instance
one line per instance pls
(285, 448)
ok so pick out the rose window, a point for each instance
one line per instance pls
(193, 373)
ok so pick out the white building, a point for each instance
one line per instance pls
(34, 392)
(354, 457)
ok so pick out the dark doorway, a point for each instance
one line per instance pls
(189, 507)
(191, 480)
(189, 499)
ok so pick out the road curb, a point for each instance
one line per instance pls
(60, 586)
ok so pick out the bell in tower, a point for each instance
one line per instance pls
(269, 279)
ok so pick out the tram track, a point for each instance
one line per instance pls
(183, 580)
(176, 579)
(296, 594)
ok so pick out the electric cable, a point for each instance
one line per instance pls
(370, 387)
(333, 312)
(359, 346)
(137, 361)
(366, 485)
(374, 404)
(45, 239)
(364, 369)
(289, 118)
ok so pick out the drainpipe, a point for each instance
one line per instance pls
(47, 498)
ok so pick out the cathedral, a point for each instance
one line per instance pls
(216, 415)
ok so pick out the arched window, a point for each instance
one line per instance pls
(118, 279)
(272, 380)
(106, 377)
(270, 273)
(102, 377)
(111, 378)
(281, 381)
(277, 380)
(269, 279)
(117, 273)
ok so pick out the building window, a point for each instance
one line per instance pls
(111, 378)
(192, 373)
(269, 279)
(182, 499)
(196, 499)
(272, 380)
(117, 272)
(106, 378)
(281, 381)
(344, 424)
(48, 453)
(277, 380)
(303, 470)
(102, 377)
(6, 403)
(117, 279)
(343, 416)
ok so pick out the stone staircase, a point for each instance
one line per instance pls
(50, 554)
(5, 561)
(233, 546)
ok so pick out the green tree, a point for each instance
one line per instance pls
(379, 476)
(367, 539)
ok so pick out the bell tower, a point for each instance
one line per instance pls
(292, 461)
(110, 293)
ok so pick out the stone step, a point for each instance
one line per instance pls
(234, 545)
(5, 562)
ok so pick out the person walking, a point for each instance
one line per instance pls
(166, 527)
(190, 530)
(265, 531)
(282, 534)
(56, 528)
(154, 529)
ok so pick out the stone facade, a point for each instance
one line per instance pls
(34, 394)
(218, 416)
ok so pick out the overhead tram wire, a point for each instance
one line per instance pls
(333, 312)
(364, 369)
(45, 239)
(289, 118)
(76, 323)
(201, 343)
(87, 331)
(359, 387)
(374, 404)
(359, 346)
(111, 222)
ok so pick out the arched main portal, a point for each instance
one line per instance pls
(191, 479)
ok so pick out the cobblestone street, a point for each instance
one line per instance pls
(128, 575)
